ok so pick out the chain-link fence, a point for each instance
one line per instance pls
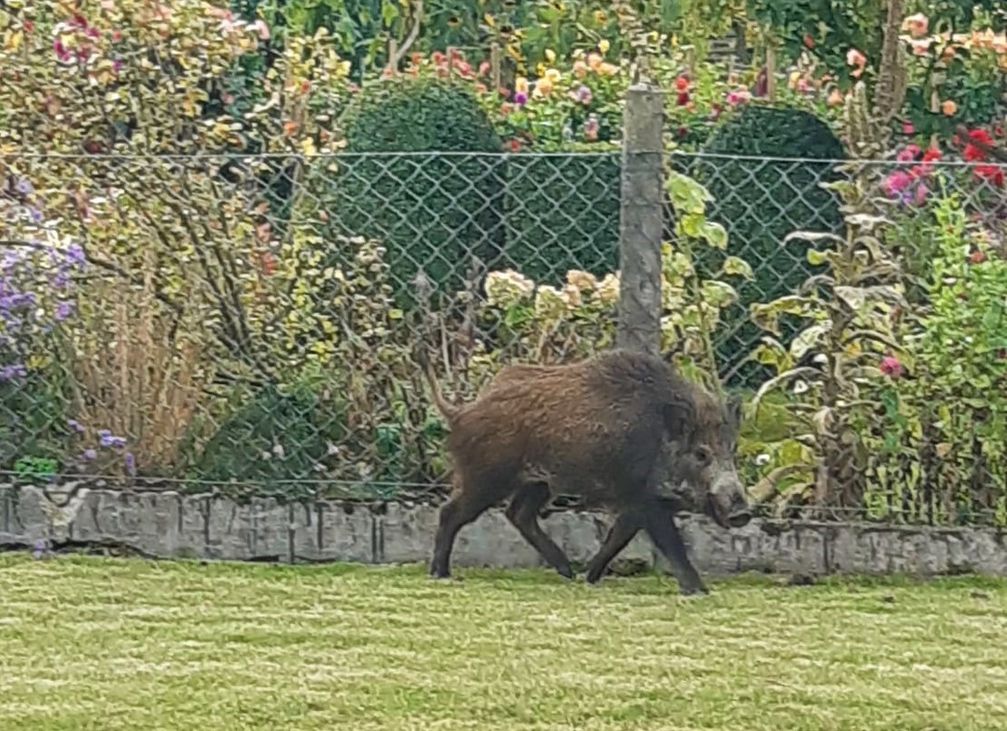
(250, 323)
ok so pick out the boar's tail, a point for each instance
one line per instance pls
(448, 411)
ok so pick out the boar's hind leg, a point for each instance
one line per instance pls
(627, 524)
(659, 522)
(459, 511)
(523, 514)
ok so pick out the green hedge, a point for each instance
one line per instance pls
(562, 213)
(433, 212)
(760, 197)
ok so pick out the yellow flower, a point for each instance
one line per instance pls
(600, 16)
(550, 55)
(543, 87)
(553, 75)
(603, 46)
(521, 85)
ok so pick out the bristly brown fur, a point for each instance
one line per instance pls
(595, 428)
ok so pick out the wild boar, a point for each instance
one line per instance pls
(612, 429)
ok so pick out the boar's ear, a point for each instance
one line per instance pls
(679, 419)
(735, 409)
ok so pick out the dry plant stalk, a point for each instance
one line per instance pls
(139, 375)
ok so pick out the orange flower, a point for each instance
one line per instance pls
(949, 108)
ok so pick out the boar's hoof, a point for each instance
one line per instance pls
(693, 590)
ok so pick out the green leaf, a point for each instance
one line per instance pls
(736, 267)
(389, 12)
(687, 195)
(784, 378)
(719, 294)
(808, 338)
(772, 353)
(817, 258)
(714, 234)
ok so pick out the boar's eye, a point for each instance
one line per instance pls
(703, 455)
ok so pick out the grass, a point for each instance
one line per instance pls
(90, 643)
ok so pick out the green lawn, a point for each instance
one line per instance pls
(90, 643)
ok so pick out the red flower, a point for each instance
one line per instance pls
(931, 155)
(974, 153)
(514, 145)
(683, 98)
(977, 257)
(990, 173)
(29, 26)
(809, 42)
(682, 83)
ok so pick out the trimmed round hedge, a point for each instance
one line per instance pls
(755, 167)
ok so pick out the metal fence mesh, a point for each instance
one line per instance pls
(250, 322)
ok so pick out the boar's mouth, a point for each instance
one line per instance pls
(735, 519)
(716, 512)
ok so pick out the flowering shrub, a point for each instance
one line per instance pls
(965, 71)
(933, 422)
(833, 365)
(187, 262)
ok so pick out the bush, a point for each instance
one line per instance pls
(760, 201)
(563, 214)
(431, 212)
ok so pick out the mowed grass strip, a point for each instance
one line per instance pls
(89, 643)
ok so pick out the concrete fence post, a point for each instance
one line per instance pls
(641, 220)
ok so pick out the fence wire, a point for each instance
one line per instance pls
(249, 323)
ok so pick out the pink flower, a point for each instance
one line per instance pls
(908, 153)
(891, 367)
(896, 183)
(908, 128)
(920, 194)
(918, 25)
(262, 29)
(739, 96)
(856, 59)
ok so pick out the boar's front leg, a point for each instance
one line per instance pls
(658, 519)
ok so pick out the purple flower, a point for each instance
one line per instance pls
(520, 98)
(40, 548)
(75, 255)
(130, 464)
(63, 311)
(75, 426)
(18, 301)
(109, 441)
(35, 214)
(12, 371)
(89, 455)
(24, 186)
(61, 280)
(583, 95)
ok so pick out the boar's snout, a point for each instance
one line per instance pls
(728, 505)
